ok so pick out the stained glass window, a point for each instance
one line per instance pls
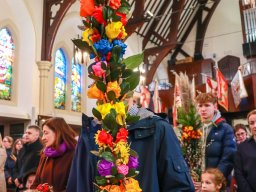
(60, 77)
(76, 87)
(6, 63)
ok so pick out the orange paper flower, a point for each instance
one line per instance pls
(132, 185)
(94, 93)
(114, 86)
(113, 188)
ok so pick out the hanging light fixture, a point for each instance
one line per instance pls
(80, 56)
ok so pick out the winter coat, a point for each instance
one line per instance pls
(9, 167)
(221, 147)
(245, 167)
(27, 160)
(2, 162)
(54, 171)
(162, 167)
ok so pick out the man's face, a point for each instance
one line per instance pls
(31, 135)
(252, 124)
(206, 110)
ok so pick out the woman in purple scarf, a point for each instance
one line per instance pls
(56, 158)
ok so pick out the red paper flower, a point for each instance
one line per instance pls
(105, 138)
(86, 8)
(97, 14)
(115, 4)
(121, 135)
(123, 18)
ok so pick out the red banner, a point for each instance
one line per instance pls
(222, 90)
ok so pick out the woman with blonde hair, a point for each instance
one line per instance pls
(2, 163)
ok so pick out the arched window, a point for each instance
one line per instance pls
(6, 63)
(76, 87)
(60, 77)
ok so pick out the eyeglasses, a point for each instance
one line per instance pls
(240, 134)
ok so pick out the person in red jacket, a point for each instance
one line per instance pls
(56, 158)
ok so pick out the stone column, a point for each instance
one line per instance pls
(45, 93)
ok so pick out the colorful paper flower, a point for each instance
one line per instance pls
(115, 30)
(97, 69)
(115, 4)
(104, 109)
(123, 150)
(103, 138)
(133, 162)
(122, 18)
(104, 167)
(97, 14)
(113, 188)
(114, 86)
(103, 46)
(87, 7)
(87, 36)
(120, 44)
(94, 93)
(123, 169)
(122, 135)
(132, 185)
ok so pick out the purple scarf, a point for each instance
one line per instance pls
(51, 152)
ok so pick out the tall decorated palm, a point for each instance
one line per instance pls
(189, 126)
(114, 81)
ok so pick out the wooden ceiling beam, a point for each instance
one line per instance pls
(137, 19)
(202, 25)
(177, 8)
(154, 23)
(51, 24)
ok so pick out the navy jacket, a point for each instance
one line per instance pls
(221, 148)
(162, 166)
(245, 166)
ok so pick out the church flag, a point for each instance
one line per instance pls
(222, 90)
(156, 99)
(176, 101)
(237, 88)
(211, 86)
(144, 96)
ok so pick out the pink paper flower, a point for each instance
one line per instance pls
(123, 169)
(98, 71)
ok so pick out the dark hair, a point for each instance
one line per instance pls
(240, 126)
(205, 98)
(218, 177)
(64, 133)
(14, 150)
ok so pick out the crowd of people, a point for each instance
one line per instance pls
(65, 162)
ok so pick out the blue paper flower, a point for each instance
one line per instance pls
(103, 46)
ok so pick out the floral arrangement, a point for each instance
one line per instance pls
(190, 128)
(44, 188)
(103, 37)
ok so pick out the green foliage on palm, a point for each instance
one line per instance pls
(189, 117)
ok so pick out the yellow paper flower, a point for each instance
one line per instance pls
(122, 149)
(94, 93)
(132, 185)
(120, 108)
(114, 86)
(87, 34)
(115, 29)
(104, 109)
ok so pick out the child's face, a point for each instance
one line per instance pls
(208, 184)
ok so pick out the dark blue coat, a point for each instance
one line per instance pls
(162, 167)
(221, 148)
(245, 166)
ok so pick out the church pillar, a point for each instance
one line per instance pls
(45, 100)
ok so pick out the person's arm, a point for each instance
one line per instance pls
(228, 151)
(242, 183)
(172, 169)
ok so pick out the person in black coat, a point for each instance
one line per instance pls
(245, 169)
(29, 156)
